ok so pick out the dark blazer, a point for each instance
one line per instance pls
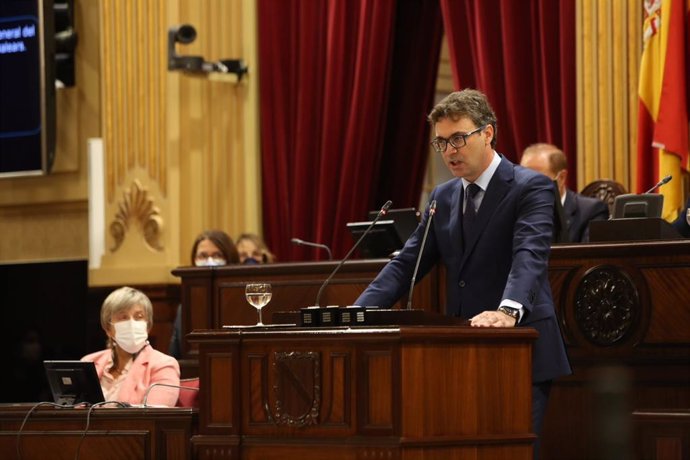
(579, 211)
(506, 257)
(681, 223)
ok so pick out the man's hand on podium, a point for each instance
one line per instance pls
(492, 319)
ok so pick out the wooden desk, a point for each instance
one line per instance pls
(625, 306)
(113, 433)
(662, 435)
(391, 392)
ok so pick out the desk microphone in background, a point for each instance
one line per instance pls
(663, 181)
(299, 242)
(432, 211)
(179, 387)
(382, 212)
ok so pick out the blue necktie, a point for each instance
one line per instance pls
(469, 219)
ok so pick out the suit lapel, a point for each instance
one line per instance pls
(455, 217)
(570, 211)
(569, 205)
(498, 187)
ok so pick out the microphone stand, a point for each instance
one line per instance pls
(432, 211)
(299, 242)
(179, 387)
(382, 212)
(663, 181)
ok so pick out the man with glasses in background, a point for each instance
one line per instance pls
(492, 232)
(578, 210)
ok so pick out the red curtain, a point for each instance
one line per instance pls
(325, 78)
(522, 55)
(418, 35)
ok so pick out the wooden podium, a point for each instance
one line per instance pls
(390, 392)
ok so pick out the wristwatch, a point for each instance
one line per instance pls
(512, 312)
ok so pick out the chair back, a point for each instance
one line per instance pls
(605, 190)
(189, 393)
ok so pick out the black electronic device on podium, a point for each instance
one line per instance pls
(636, 217)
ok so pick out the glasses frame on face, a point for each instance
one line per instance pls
(456, 140)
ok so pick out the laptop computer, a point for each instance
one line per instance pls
(73, 382)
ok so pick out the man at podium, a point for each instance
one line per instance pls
(492, 230)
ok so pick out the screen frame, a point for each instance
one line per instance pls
(381, 241)
(85, 378)
(406, 221)
(632, 205)
(47, 92)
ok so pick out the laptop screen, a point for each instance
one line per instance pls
(73, 382)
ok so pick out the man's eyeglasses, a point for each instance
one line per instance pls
(457, 140)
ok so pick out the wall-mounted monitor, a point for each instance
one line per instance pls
(27, 87)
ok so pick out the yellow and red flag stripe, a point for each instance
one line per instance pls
(662, 140)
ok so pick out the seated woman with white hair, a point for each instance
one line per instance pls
(130, 366)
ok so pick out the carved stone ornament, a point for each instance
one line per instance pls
(297, 388)
(606, 305)
(137, 206)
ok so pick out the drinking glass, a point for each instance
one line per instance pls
(258, 295)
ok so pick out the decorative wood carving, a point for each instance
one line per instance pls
(297, 388)
(606, 305)
(139, 206)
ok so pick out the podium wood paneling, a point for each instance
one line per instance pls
(417, 392)
(214, 297)
(623, 310)
(113, 433)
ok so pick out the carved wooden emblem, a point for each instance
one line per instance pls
(297, 388)
(606, 305)
(137, 205)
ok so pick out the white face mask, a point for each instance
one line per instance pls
(209, 262)
(131, 335)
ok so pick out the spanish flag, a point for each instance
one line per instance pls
(662, 139)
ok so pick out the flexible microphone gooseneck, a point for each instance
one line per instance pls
(663, 181)
(180, 387)
(382, 212)
(299, 242)
(432, 211)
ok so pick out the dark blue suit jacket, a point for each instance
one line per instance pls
(681, 223)
(579, 211)
(506, 257)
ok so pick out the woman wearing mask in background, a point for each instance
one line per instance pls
(129, 366)
(211, 248)
(253, 250)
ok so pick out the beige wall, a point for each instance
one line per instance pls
(180, 151)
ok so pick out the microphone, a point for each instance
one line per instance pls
(382, 212)
(180, 387)
(432, 211)
(663, 181)
(299, 242)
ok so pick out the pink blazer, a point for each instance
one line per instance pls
(150, 366)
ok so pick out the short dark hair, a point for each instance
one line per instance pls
(222, 242)
(468, 103)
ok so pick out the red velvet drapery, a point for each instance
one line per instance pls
(522, 55)
(327, 114)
